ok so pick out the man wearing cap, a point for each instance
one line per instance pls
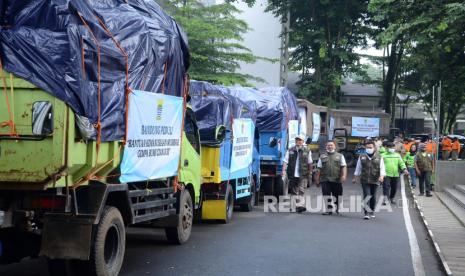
(297, 166)
(424, 166)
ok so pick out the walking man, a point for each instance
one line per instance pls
(370, 172)
(424, 167)
(332, 172)
(393, 163)
(297, 166)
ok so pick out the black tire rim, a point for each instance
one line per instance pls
(111, 247)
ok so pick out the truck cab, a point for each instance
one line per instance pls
(60, 195)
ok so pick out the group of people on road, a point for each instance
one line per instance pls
(381, 165)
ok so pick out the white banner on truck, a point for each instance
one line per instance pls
(153, 144)
(293, 129)
(365, 127)
(243, 132)
(316, 127)
(303, 121)
(331, 129)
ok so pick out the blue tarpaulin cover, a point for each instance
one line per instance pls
(276, 106)
(47, 43)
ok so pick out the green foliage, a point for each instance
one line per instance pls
(434, 42)
(323, 35)
(215, 37)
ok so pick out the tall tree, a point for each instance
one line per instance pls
(323, 35)
(433, 44)
(215, 41)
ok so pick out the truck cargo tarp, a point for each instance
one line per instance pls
(216, 105)
(212, 109)
(57, 45)
(276, 106)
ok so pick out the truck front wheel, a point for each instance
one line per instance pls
(181, 233)
(229, 196)
(109, 243)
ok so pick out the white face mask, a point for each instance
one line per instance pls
(331, 151)
(392, 150)
(370, 151)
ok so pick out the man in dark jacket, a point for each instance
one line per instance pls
(370, 171)
(332, 172)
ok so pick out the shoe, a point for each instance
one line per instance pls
(301, 209)
(392, 201)
(429, 195)
(327, 213)
(366, 217)
(384, 203)
(372, 215)
(337, 211)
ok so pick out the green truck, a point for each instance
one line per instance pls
(61, 199)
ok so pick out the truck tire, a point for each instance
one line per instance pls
(248, 206)
(229, 197)
(109, 243)
(282, 187)
(181, 233)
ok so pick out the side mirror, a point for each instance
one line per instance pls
(273, 142)
(220, 133)
(309, 141)
(42, 118)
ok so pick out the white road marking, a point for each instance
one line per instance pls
(418, 267)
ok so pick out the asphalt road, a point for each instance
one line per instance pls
(259, 243)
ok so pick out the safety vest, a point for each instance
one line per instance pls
(409, 160)
(303, 153)
(393, 163)
(371, 168)
(431, 147)
(424, 162)
(446, 144)
(331, 167)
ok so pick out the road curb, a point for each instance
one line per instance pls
(437, 249)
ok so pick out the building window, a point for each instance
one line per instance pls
(355, 100)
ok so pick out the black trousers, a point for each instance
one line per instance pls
(390, 186)
(425, 182)
(370, 191)
(332, 189)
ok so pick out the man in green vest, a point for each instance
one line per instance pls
(424, 166)
(297, 166)
(393, 163)
(370, 171)
(332, 172)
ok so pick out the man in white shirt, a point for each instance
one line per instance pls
(370, 171)
(297, 166)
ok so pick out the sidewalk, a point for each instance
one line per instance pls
(445, 220)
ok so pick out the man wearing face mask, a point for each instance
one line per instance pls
(424, 167)
(297, 166)
(393, 163)
(370, 172)
(332, 172)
